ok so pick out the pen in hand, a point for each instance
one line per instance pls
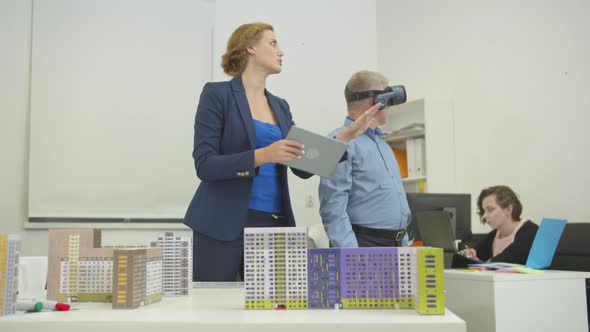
(470, 252)
(465, 252)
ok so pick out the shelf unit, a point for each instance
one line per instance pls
(392, 139)
(400, 116)
(413, 179)
(439, 153)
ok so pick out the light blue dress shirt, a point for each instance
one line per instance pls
(366, 190)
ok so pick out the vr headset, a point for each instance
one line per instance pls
(392, 95)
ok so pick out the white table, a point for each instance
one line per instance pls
(222, 310)
(490, 301)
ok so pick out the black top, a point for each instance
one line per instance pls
(517, 252)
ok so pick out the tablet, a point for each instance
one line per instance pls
(322, 153)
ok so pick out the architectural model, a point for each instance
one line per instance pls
(353, 278)
(430, 297)
(275, 268)
(278, 268)
(406, 266)
(9, 252)
(80, 270)
(177, 260)
(137, 277)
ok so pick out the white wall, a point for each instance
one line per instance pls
(517, 74)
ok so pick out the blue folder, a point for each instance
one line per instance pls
(545, 243)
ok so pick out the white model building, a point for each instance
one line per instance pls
(177, 263)
(407, 270)
(275, 268)
(9, 253)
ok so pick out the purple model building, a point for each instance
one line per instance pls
(353, 278)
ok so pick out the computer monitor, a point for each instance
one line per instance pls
(459, 206)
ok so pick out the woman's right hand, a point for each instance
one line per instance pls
(279, 151)
(469, 253)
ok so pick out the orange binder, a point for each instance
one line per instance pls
(402, 160)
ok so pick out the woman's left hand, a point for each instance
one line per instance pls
(360, 125)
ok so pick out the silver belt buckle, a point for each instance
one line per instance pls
(399, 236)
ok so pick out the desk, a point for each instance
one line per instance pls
(222, 310)
(490, 301)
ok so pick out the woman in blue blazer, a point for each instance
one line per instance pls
(239, 140)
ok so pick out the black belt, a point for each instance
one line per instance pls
(264, 214)
(397, 236)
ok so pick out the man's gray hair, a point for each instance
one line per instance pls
(362, 81)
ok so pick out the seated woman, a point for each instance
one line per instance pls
(511, 238)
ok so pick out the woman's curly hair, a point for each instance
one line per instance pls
(235, 58)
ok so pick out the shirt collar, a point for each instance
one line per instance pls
(370, 132)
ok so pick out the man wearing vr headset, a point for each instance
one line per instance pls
(363, 203)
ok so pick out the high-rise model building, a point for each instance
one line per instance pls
(137, 277)
(275, 268)
(177, 260)
(9, 252)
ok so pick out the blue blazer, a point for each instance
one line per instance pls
(224, 145)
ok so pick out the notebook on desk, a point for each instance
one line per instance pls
(436, 230)
(542, 250)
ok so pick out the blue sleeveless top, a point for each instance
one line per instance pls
(266, 192)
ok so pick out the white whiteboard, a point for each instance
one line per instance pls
(114, 89)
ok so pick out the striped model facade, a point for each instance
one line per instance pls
(9, 254)
(177, 263)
